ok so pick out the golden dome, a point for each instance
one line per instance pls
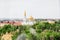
(31, 18)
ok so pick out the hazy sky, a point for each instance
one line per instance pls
(36, 8)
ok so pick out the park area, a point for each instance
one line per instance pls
(38, 31)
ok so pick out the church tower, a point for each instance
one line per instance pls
(25, 19)
(25, 14)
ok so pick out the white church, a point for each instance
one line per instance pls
(28, 21)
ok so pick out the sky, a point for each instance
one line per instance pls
(36, 8)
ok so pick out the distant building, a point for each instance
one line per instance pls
(28, 21)
(16, 23)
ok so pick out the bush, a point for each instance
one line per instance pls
(44, 31)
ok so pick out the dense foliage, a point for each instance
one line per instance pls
(44, 31)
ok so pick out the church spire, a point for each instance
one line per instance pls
(25, 16)
(25, 13)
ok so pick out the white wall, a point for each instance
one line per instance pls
(36, 8)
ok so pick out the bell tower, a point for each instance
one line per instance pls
(25, 14)
(25, 19)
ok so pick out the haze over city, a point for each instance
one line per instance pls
(35, 8)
